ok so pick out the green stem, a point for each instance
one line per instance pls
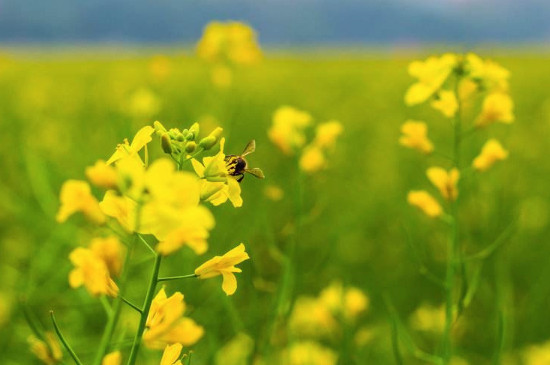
(106, 306)
(64, 341)
(145, 312)
(453, 247)
(131, 304)
(116, 309)
(168, 278)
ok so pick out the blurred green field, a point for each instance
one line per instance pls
(60, 113)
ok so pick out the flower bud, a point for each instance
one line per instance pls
(207, 142)
(159, 128)
(193, 131)
(216, 133)
(166, 143)
(190, 147)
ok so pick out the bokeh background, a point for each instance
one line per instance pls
(78, 77)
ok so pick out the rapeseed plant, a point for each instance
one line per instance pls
(157, 204)
(450, 83)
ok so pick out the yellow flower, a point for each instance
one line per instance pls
(231, 41)
(428, 318)
(172, 213)
(309, 353)
(217, 186)
(444, 181)
(160, 67)
(497, 107)
(347, 301)
(122, 208)
(425, 202)
(274, 192)
(287, 130)
(102, 175)
(466, 89)
(221, 76)
(225, 266)
(92, 272)
(109, 249)
(172, 354)
(125, 149)
(113, 358)
(49, 352)
(312, 159)
(76, 196)
(415, 135)
(143, 103)
(492, 75)
(236, 352)
(166, 324)
(326, 134)
(491, 152)
(446, 103)
(537, 354)
(431, 75)
(311, 317)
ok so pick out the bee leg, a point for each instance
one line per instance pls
(240, 178)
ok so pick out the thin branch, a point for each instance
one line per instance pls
(168, 278)
(131, 304)
(63, 341)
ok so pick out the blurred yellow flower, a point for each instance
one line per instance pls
(309, 353)
(312, 159)
(49, 352)
(172, 354)
(425, 202)
(431, 74)
(491, 152)
(221, 76)
(287, 130)
(497, 107)
(143, 103)
(172, 212)
(229, 42)
(160, 67)
(217, 186)
(122, 208)
(415, 135)
(102, 175)
(274, 192)
(125, 149)
(349, 302)
(492, 75)
(445, 181)
(428, 318)
(311, 317)
(466, 89)
(92, 272)
(537, 354)
(236, 352)
(113, 358)
(326, 134)
(166, 324)
(108, 249)
(225, 266)
(446, 102)
(76, 196)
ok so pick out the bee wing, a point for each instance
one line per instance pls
(256, 172)
(250, 147)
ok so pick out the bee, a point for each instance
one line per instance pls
(237, 164)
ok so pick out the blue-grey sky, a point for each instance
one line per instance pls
(279, 22)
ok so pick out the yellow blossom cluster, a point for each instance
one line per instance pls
(48, 350)
(288, 133)
(323, 317)
(224, 44)
(160, 205)
(229, 41)
(472, 73)
(470, 76)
